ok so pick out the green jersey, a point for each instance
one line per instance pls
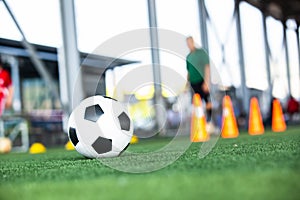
(195, 64)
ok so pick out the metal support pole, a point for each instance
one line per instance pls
(298, 43)
(158, 100)
(39, 65)
(203, 24)
(287, 58)
(2, 131)
(13, 61)
(241, 56)
(267, 51)
(69, 65)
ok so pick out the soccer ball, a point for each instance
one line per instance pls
(5, 145)
(100, 127)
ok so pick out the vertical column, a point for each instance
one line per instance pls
(241, 56)
(69, 70)
(287, 58)
(203, 25)
(16, 83)
(298, 41)
(101, 87)
(267, 50)
(158, 100)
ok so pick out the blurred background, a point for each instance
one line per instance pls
(253, 45)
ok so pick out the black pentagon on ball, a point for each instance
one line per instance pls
(102, 145)
(93, 113)
(124, 121)
(73, 136)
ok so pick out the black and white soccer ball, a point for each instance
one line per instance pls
(100, 127)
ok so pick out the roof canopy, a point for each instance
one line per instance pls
(15, 48)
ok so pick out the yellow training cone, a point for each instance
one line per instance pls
(69, 146)
(134, 139)
(37, 148)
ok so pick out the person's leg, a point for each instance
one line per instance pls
(206, 97)
(208, 105)
(210, 127)
(197, 88)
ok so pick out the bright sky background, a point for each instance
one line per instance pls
(99, 20)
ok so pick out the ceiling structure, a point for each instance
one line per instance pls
(279, 9)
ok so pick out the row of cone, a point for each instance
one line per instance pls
(229, 124)
(198, 123)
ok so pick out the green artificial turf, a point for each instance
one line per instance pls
(248, 167)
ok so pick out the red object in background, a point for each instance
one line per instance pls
(5, 82)
(292, 106)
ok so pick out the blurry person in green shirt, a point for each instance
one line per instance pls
(198, 68)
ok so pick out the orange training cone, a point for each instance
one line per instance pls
(278, 123)
(229, 126)
(198, 121)
(256, 126)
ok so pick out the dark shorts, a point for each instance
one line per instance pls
(197, 88)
